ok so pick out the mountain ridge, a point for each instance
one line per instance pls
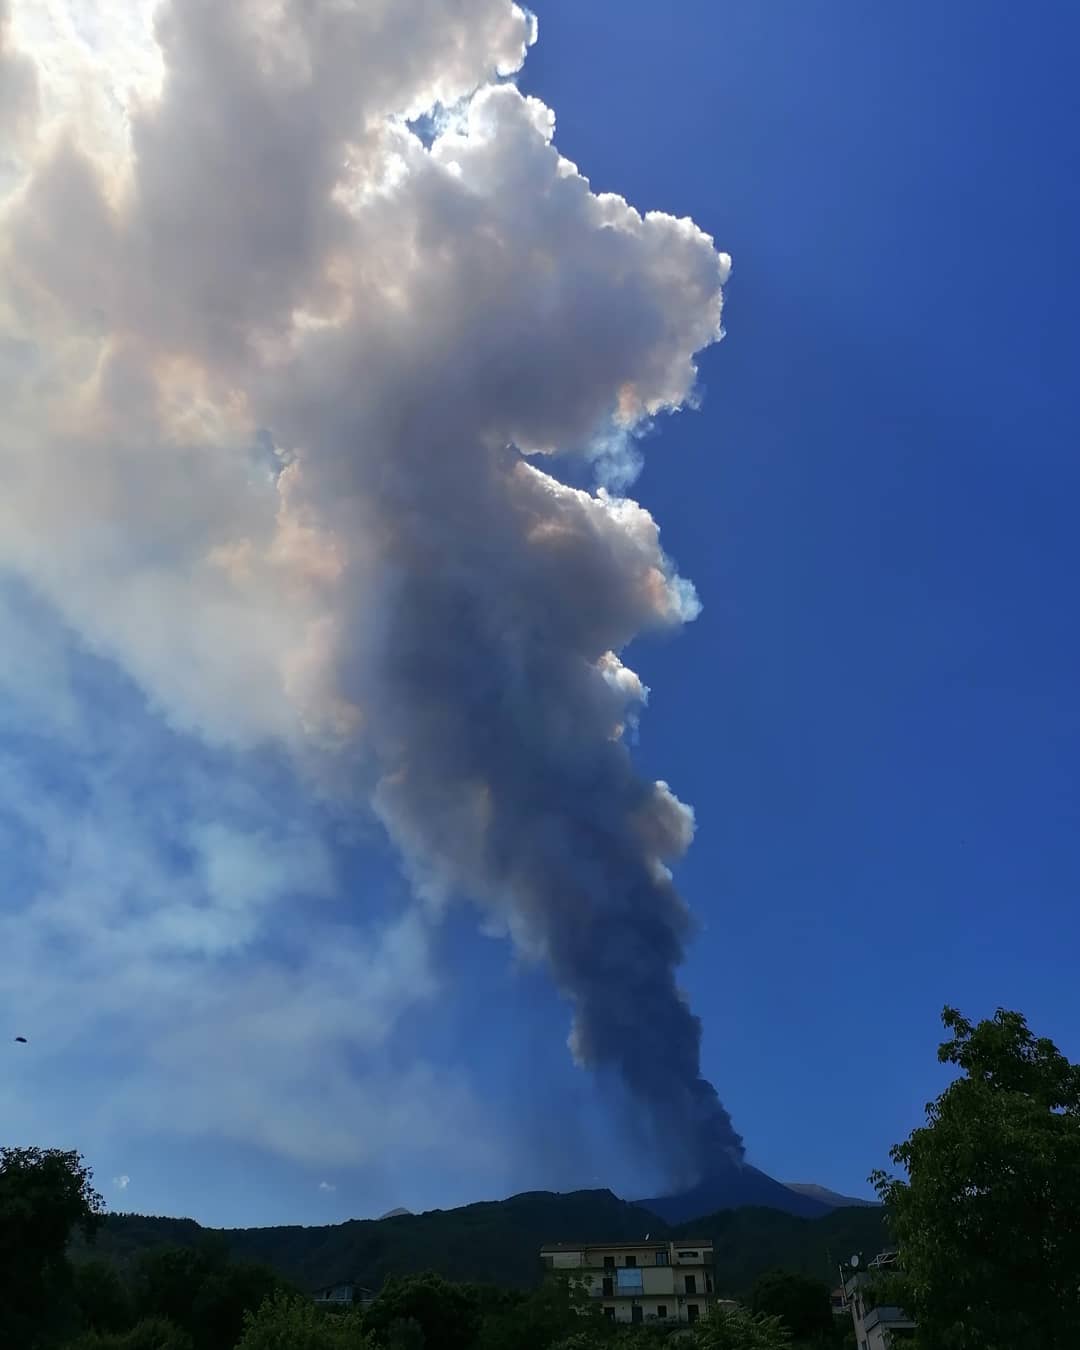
(833, 1199)
(498, 1241)
(734, 1186)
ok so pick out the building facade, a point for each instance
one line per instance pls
(640, 1281)
(877, 1326)
(345, 1295)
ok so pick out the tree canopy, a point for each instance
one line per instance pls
(447, 1314)
(101, 1297)
(152, 1333)
(740, 1329)
(553, 1314)
(44, 1195)
(988, 1220)
(286, 1322)
(802, 1304)
(202, 1291)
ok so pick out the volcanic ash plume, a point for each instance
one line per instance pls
(280, 418)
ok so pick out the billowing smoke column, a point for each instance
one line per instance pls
(317, 368)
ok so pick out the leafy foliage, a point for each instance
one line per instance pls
(604, 1336)
(839, 1335)
(152, 1333)
(801, 1303)
(740, 1329)
(407, 1334)
(45, 1194)
(202, 1291)
(447, 1314)
(987, 1222)
(549, 1315)
(285, 1322)
(101, 1297)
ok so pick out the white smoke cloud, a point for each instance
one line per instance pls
(18, 98)
(277, 414)
(122, 1182)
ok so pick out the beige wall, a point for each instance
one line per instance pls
(660, 1284)
(689, 1256)
(676, 1311)
(658, 1280)
(645, 1257)
(565, 1260)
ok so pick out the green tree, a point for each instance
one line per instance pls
(839, 1336)
(448, 1314)
(103, 1302)
(169, 1280)
(152, 1333)
(288, 1322)
(227, 1295)
(200, 1290)
(45, 1194)
(546, 1316)
(802, 1304)
(604, 1336)
(740, 1329)
(407, 1334)
(987, 1221)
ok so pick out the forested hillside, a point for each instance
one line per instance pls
(497, 1242)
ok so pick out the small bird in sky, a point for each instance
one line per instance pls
(21, 1040)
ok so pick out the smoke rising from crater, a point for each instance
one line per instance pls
(280, 420)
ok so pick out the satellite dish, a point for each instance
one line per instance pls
(854, 1262)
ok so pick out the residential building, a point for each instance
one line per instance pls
(345, 1294)
(641, 1281)
(877, 1325)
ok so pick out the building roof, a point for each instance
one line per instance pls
(612, 1246)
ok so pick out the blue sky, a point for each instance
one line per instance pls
(874, 715)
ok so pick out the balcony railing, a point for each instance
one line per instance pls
(886, 1316)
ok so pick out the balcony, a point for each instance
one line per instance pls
(623, 1282)
(886, 1317)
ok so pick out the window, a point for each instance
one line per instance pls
(661, 1311)
(689, 1256)
(609, 1287)
(708, 1284)
(662, 1257)
(609, 1313)
(637, 1313)
(628, 1281)
(631, 1259)
(691, 1284)
(692, 1312)
(609, 1263)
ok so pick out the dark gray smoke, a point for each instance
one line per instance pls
(497, 713)
(268, 257)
